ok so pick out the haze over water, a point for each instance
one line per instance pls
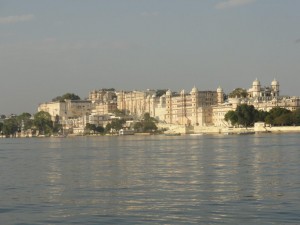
(209, 179)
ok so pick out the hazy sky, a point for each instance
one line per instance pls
(50, 47)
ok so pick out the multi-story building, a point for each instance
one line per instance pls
(183, 108)
(192, 108)
(219, 112)
(54, 109)
(103, 95)
(195, 108)
(77, 125)
(66, 109)
(262, 98)
(135, 102)
(103, 108)
(104, 101)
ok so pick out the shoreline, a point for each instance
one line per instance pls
(185, 130)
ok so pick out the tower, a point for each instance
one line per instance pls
(256, 88)
(220, 95)
(194, 94)
(183, 107)
(169, 106)
(275, 88)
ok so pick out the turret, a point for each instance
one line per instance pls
(275, 87)
(194, 90)
(256, 88)
(168, 93)
(169, 106)
(194, 93)
(220, 95)
(182, 92)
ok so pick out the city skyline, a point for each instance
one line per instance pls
(53, 47)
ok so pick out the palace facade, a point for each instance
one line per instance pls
(262, 98)
(184, 108)
(194, 108)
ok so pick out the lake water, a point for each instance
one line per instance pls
(209, 179)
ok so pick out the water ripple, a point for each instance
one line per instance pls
(151, 180)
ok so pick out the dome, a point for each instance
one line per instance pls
(182, 92)
(194, 89)
(169, 92)
(275, 82)
(219, 89)
(256, 82)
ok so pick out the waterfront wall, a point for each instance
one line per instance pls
(278, 129)
(171, 128)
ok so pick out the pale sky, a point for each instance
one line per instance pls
(50, 47)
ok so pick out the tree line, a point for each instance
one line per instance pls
(42, 124)
(39, 123)
(146, 124)
(246, 115)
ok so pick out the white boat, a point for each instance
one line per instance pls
(126, 132)
(199, 134)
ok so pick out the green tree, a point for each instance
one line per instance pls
(57, 127)
(275, 113)
(296, 117)
(69, 96)
(245, 114)
(100, 129)
(117, 124)
(24, 120)
(160, 92)
(278, 111)
(238, 92)
(232, 117)
(146, 117)
(107, 128)
(284, 120)
(1, 127)
(147, 124)
(10, 126)
(90, 128)
(261, 116)
(118, 112)
(269, 119)
(43, 122)
(138, 126)
(108, 89)
(95, 129)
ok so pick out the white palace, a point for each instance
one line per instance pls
(195, 108)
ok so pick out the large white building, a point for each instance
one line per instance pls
(194, 108)
(257, 90)
(184, 108)
(262, 98)
(67, 109)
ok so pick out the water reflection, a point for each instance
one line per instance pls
(54, 176)
(163, 180)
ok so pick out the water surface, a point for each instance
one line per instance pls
(209, 179)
